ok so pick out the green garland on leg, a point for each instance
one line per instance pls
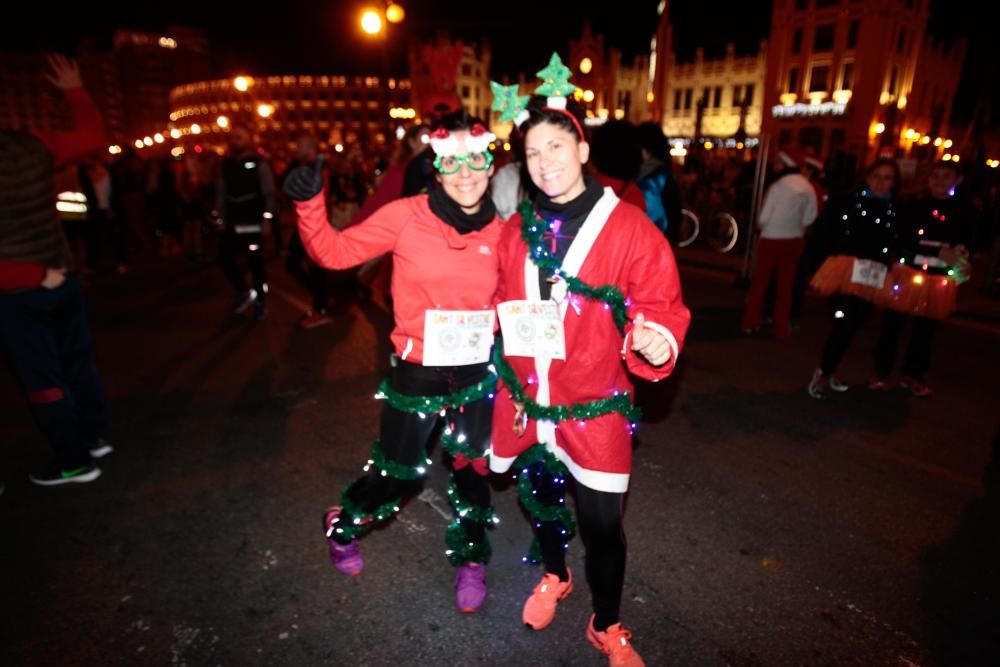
(363, 521)
(462, 548)
(539, 511)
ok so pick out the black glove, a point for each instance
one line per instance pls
(305, 182)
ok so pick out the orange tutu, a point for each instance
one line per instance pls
(908, 290)
(834, 277)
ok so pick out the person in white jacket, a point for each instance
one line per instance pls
(789, 207)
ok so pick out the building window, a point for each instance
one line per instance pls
(847, 76)
(737, 90)
(717, 97)
(748, 95)
(466, 69)
(677, 100)
(852, 33)
(823, 38)
(819, 79)
(812, 137)
(793, 80)
(687, 98)
(797, 41)
(465, 92)
(705, 92)
(894, 80)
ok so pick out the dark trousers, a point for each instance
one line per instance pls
(847, 314)
(918, 351)
(404, 437)
(312, 277)
(233, 249)
(599, 515)
(47, 339)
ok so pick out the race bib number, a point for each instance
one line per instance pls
(868, 273)
(532, 329)
(457, 337)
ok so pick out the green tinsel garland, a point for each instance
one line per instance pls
(539, 511)
(363, 521)
(450, 444)
(621, 403)
(531, 231)
(432, 404)
(396, 470)
(461, 548)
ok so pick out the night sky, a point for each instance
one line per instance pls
(322, 37)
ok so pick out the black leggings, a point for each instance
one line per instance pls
(847, 314)
(405, 437)
(599, 514)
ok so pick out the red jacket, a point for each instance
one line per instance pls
(434, 267)
(617, 245)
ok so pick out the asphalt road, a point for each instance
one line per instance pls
(765, 528)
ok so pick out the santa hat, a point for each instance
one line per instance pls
(813, 162)
(791, 156)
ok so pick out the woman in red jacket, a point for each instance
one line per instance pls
(443, 247)
(589, 292)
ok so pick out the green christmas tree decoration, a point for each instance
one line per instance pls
(555, 79)
(507, 101)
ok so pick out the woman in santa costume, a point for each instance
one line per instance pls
(443, 247)
(589, 292)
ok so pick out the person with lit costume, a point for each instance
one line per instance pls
(589, 291)
(935, 233)
(443, 246)
(860, 235)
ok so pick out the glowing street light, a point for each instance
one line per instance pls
(222, 122)
(138, 143)
(175, 133)
(371, 22)
(586, 65)
(588, 96)
(195, 128)
(242, 83)
(265, 110)
(158, 138)
(879, 128)
(394, 13)
(948, 143)
(148, 141)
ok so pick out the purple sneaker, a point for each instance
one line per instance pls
(345, 557)
(470, 587)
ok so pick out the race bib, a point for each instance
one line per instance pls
(532, 329)
(868, 273)
(457, 337)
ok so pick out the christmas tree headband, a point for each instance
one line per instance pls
(445, 145)
(555, 87)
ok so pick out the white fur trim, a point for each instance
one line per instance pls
(521, 117)
(407, 349)
(446, 147)
(555, 102)
(481, 143)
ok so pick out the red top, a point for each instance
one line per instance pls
(434, 267)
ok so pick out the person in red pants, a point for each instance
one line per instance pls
(790, 206)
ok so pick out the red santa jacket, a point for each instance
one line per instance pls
(434, 267)
(616, 245)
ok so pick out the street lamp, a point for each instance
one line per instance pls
(371, 22)
(394, 13)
